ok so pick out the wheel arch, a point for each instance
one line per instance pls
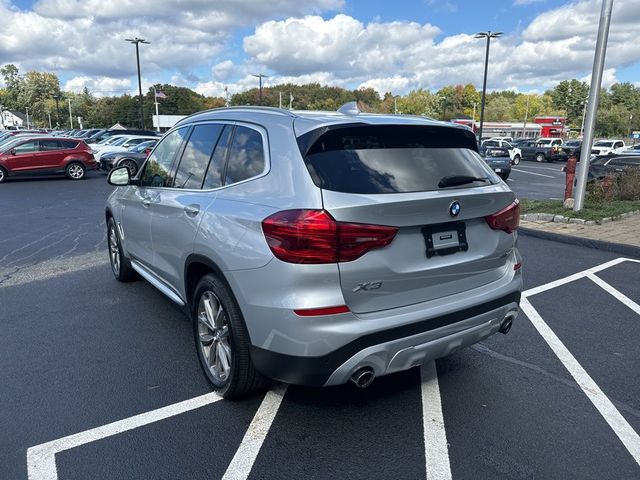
(197, 266)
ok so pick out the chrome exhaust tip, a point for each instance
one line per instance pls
(506, 324)
(363, 377)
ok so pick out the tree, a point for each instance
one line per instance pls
(14, 84)
(419, 102)
(569, 96)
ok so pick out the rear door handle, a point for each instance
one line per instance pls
(192, 210)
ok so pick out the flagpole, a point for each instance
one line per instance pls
(155, 101)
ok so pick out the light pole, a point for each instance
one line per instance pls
(260, 76)
(488, 35)
(592, 106)
(136, 41)
(27, 109)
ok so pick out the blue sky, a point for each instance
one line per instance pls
(392, 46)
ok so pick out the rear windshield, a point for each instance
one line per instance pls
(391, 159)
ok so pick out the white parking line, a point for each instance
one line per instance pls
(532, 173)
(540, 168)
(435, 435)
(627, 435)
(614, 292)
(242, 462)
(41, 459)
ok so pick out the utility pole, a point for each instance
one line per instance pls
(49, 114)
(155, 101)
(594, 97)
(280, 100)
(136, 41)
(488, 35)
(57, 97)
(260, 76)
(27, 109)
(70, 117)
(526, 115)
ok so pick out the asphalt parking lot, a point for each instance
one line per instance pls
(101, 380)
(538, 181)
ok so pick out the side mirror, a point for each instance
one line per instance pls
(12, 151)
(119, 177)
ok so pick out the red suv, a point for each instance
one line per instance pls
(46, 155)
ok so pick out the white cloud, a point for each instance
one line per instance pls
(399, 56)
(99, 86)
(291, 42)
(223, 70)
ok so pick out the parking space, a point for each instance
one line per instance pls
(101, 380)
(538, 181)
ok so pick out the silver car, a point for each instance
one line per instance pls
(319, 247)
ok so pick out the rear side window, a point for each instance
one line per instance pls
(68, 144)
(216, 166)
(246, 155)
(391, 159)
(196, 156)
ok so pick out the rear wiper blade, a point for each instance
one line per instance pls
(459, 180)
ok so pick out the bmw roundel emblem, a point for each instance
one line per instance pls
(454, 209)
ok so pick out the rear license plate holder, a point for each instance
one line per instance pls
(445, 238)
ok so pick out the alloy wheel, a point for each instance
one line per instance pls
(213, 333)
(114, 251)
(75, 171)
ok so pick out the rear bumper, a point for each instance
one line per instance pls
(391, 350)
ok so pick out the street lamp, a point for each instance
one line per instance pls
(260, 76)
(488, 35)
(136, 41)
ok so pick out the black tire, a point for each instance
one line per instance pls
(504, 176)
(516, 160)
(75, 171)
(241, 378)
(122, 269)
(540, 157)
(3, 175)
(131, 165)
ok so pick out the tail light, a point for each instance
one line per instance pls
(313, 236)
(147, 151)
(507, 219)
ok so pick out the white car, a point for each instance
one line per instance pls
(122, 145)
(514, 152)
(606, 147)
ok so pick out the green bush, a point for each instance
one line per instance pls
(628, 184)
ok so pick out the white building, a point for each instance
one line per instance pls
(12, 120)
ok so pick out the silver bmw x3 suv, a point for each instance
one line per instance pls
(319, 247)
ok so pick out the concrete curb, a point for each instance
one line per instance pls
(550, 217)
(620, 248)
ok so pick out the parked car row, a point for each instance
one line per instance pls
(32, 153)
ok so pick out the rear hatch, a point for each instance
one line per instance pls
(429, 183)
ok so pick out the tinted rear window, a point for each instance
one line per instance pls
(69, 144)
(391, 159)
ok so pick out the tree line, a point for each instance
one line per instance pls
(40, 92)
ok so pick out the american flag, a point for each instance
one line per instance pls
(160, 94)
